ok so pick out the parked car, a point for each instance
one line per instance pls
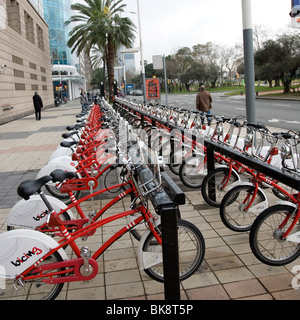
(137, 92)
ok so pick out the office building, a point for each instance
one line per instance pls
(25, 65)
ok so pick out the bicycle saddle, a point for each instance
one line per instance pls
(80, 121)
(68, 144)
(29, 187)
(75, 126)
(69, 134)
(61, 175)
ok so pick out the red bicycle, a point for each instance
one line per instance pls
(35, 266)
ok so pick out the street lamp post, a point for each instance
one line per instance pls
(141, 51)
(166, 80)
(249, 61)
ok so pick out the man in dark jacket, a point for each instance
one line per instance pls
(203, 102)
(38, 105)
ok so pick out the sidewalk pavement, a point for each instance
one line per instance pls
(229, 271)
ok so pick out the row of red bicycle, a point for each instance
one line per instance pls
(34, 262)
(238, 190)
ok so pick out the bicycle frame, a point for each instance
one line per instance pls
(79, 223)
(73, 266)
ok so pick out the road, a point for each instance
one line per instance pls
(284, 114)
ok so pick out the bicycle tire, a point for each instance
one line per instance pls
(217, 176)
(190, 258)
(232, 206)
(191, 172)
(173, 163)
(33, 290)
(265, 236)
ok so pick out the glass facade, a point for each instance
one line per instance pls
(56, 12)
(129, 59)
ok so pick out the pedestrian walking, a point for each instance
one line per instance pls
(119, 93)
(204, 103)
(84, 101)
(38, 105)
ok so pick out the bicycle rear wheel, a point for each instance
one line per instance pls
(191, 246)
(266, 240)
(34, 289)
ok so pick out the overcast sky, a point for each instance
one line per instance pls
(168, 25)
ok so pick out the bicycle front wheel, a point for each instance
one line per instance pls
(215, 185)
(240, 207)
(192, 172)
(191, 247)
(32, 289)
(175, 161)
(266, 236)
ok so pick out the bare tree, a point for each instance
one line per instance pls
(260, 35)
(231, 57)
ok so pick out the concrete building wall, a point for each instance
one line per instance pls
(25, 65)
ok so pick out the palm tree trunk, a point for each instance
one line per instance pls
(110, 67)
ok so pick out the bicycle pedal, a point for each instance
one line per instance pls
(86, 269)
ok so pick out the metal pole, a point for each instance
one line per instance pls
(141, 51)
(249, 61)
(170, 253)
(166, 81)
(124, 75)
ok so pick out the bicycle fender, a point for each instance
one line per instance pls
(33, 213)
(287, 203)
(60, 152)
(66, 160)
(148, 259)
(260, 207)
(21, 248)
(233, 184)
(247, 184)
(238, 183)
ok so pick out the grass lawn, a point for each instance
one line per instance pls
(238, 90)
(275, 91)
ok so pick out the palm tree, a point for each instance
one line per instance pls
(101, 25)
